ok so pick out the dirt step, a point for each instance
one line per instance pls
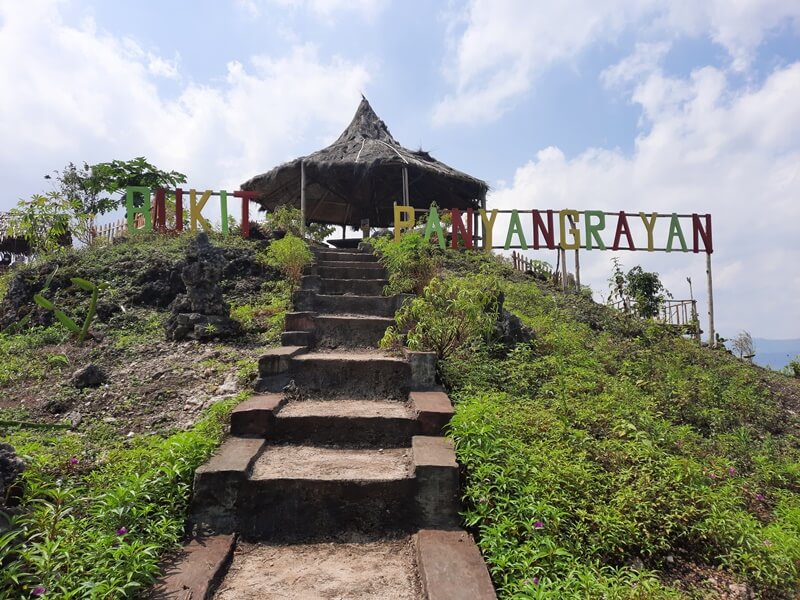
(357, 271)
(297, 492)
(381, 423)
(355, 375)
(356, 287)
(350, 331)
(376, 306)
(332, 255)
(382, 569)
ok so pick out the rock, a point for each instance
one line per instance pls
(740, 591)
(56, 406)
(88, 376)
(229, 386)
(75, 418)
(201, 314)
(636, 563)
(510, 331)
(11, 466)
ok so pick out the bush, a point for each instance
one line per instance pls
(451, 313)
(411, 263)
(290, 255)
(287, 218)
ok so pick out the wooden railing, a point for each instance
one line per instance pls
(676, 313)
(116, 229)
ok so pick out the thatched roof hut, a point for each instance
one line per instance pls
(362, 174)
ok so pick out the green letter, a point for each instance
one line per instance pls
(591, 230)
(515, 226)
(675, 229)
(434, 223)
(144, 209)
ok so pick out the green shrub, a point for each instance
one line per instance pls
(290, 255)
(287, 218)
(451, 313)
(411, 263)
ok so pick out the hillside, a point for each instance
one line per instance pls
(602, 455)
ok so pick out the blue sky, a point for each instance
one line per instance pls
(648, 105)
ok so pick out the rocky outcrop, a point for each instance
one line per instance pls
(201, 313)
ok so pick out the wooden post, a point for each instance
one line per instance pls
(405, 187)
(302, 199)
(712, 339)
(483, 229)
(577, 271)
(563, 254)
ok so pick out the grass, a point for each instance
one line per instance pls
(99, 511)
(589, 450)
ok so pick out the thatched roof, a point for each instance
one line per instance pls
(359, 176)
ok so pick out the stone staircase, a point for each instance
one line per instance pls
(342, 448)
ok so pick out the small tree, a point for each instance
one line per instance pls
(100, 188)
(48, 222)
(743, 345)
(288, 218)
(640, 292)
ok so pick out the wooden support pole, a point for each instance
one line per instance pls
(302, 199)
(577, 271)
(406, 200)
(712, 338)
(563, 254)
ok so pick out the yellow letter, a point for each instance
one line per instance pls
(650, 226)
(488, 224)
(576, 234)
(403, 217)
(196, 209)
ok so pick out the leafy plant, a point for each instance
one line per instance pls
(290, 255)
(411, 263)
(79, 331)
(450, 314)
(288, 218)
(98, 189)
(640, 292)
(48, 222)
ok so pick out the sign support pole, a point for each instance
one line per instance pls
(712, 338)
(563, 269)
(302, 199)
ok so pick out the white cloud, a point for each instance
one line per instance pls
(322, 9)
(708, 149)
(506, 45)
(76, 94)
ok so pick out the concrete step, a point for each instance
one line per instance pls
(355, 568)
(349, 331)
(356, 264)
(355, 375)
(335, 255)
(381, 423)
(376, 306)
(302, 492)
(360, 271)
(356, 287)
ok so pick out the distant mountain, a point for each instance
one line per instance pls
(775, 353)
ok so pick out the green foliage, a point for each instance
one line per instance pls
(451, 314)
(793, 368)
(47, 222)
(98, 511)
(641, 292)
(288, 218)
(586, 450)
(411, 263)
(290, 255)
(264, 315)
(87, 286)
(92, 188)
(20, 358)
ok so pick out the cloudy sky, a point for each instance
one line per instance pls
(636, 105)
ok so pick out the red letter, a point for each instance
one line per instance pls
(160, 212)
(246, 198)
(179, 209)
(459, 229)
(698, 231)
(623, 229)
(548, 233)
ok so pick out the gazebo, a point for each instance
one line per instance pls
(362, 175)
